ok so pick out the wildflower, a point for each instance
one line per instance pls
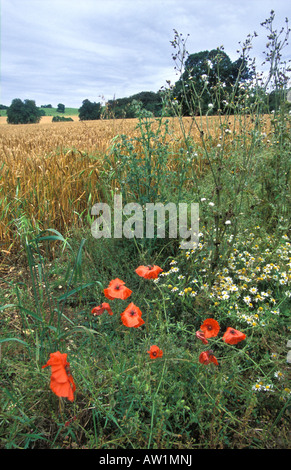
(100, 309)
(117, 290)
(61, 383)
(148, 272)
(165, 273)
(201, 335)
(206, 357)
(232, 336)
(227, 222)
(257, 387)
(155, 352)
(174, 270)
(210, 328)
(131, 316)
(278, 375)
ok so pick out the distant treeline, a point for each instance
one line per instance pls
(209, 81)
(127, 107)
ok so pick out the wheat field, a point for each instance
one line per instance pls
(50, 173)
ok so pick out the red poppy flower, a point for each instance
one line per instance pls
(131, 316)
(117, 290)
(206, 357)
(149, 272)
(210, 328)
(201, 335)
(100, 309)
(232, 336)
(155, 352)
(62, 383)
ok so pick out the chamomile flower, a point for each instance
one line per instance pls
(278, 375)
(174, 270)
(257, 387)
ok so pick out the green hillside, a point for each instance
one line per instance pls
(68, 112)
(52, 112)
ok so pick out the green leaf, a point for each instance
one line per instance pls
(3, 307)
(29, 312)
(13, 339)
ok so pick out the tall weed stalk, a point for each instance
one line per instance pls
(239, 154)
(149, 167)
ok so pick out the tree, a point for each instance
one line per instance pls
(61, 119)
(89, 111)
(20, 112)
(125, 107)
(150, 101)
(209, 77)
(61, 108)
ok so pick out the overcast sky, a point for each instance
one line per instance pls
(65, 51)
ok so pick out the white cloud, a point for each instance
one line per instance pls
(69, 50)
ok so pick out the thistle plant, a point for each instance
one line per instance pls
(230, 153)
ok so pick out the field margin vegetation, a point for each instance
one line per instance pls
(137, 343)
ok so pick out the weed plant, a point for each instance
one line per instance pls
(241, 179)
(194, 357)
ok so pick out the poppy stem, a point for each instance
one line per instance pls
(61, 405)
(147, 323)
